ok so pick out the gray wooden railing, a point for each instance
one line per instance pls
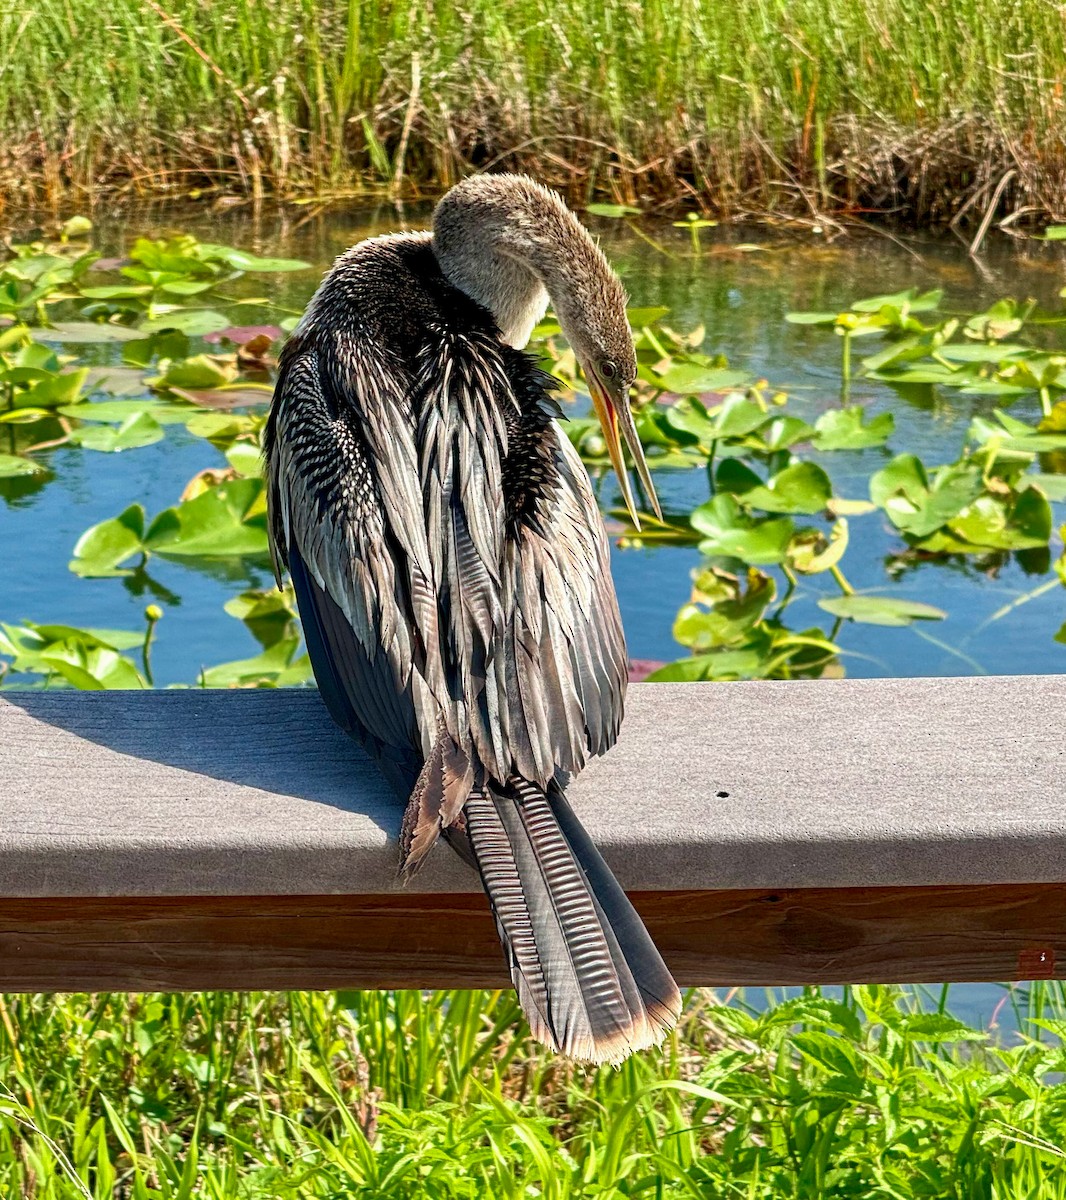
(770, 833)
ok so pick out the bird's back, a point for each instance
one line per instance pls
(452, 575)
(428, 504)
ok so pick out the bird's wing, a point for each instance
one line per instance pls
(532, 641)
(342, 488)
(569, 649)
(424, 607)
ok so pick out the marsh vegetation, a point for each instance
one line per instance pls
(914, 110)
(910, 482)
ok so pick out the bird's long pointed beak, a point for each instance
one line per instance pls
(616, 420)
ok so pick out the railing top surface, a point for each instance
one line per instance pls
(742, 785)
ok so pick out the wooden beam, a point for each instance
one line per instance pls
(770, 833)
(751, 937)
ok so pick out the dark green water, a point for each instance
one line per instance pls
(740, 296)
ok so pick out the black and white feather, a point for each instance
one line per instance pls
(452, 574)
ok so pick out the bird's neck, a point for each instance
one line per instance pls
(511, 249)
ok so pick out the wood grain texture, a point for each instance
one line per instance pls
(749, 937)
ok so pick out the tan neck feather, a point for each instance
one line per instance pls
(509, 244)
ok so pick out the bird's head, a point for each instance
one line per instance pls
(511, 243)
(603, 345)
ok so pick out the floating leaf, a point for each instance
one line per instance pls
(246, 459)
(730, 532)
(94, 668)
(639, 317)
(193, 322)
(844, 429)
(738, 416)
(200, 371)
(116, 381)
(726, 610)
(612, 210)
(232, 395)
(690, 416)
(688, 378)
(270, 614)
(880, 610)
(241, 260)
(1008, 433)
(113, 639)
(241, 335)
(77, 332)
(126, 291)
(186, 287)
(277, 666)
(810, 551)
(54, 391)
(911, 300)
(801, 488)
(13, 465)
(997, 523)
(811, 318)
(721, 664)
(221, 522)
(115, 412)
(1053, 486)
(784, 432)
(837, 506)
(903, 490)
(140, 429)
(101, 549)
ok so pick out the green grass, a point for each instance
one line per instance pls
(785, 104)
(406, 1095)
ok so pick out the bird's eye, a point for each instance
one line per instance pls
(608, 369)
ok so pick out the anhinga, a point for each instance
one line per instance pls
(452, 573)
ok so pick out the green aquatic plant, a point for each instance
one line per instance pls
(169, 363)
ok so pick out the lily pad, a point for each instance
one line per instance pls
(193, 322)
(739, 416)
(199, 371)
(139, 429)
(87, 332)
(223, 522)
(689, 378)
(998, 523)
(245, 459)
(241, 335)
(116, 412)
(811, 552)
(844, 429)
(101, 549)
(612, 210)
(731, 532)
(801, 488)
(720, 664)
(241, 260)
(648, 315)
(728, 611)
(880, 610)
(915, 506)
(1053, 486)
(95, 668)
(14, 465)
(277, 666)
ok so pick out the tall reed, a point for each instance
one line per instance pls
(787, 104)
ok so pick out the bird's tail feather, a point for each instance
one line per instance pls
(588, 976)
